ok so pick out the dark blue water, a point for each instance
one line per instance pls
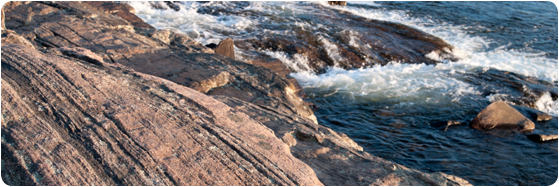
(408, 134)
(525, 26)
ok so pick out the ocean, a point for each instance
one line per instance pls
(392, 108)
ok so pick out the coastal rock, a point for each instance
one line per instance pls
(163, 53)
(82, 54)
(9, 36)
(510, 87)
(542, 137)
(69, 122)
(129, 119)
(444, 125)
(123, 11)
(226, 47)
(543, 117)
(499, 115)
(339, 3)
(384, 42)
(336, 159)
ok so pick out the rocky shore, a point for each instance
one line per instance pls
(92, 95)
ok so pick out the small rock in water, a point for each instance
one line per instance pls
(340, 3)
(172, 5)
(543, 117)
(542, 137)
(443, 125)
(499, 115)
(226, 47)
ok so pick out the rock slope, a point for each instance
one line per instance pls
(92, 97)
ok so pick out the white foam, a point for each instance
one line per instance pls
(416, 83)
(298, 62)
(547, 104)
(331, 49)
(472, 50)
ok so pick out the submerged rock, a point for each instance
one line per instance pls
(499, 115)
(444, 125)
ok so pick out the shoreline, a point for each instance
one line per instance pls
(249, 112)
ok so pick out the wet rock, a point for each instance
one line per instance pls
(226, 47)
(278, 67)
(336, 159)
(384, 42)
(499, 115)
(510, 87)
(66, 122)
(542, 137)
(444, 125)
(543, 117)
(339, 3)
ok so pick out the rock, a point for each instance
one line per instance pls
(10, 37)
(339, 3)
(513, 88)
(499, 115)
(131, 120)
(82, 54)
(66, 122)
(165, 54)
(226, 47)
(543, 117)
(445, 124)
(336, 159)
(121, 10)
(542, 137)
(172, 5)
(384, 42)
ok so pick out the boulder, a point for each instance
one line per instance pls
(226, 47)
(70, 122)
(542, 137)
(499, 115)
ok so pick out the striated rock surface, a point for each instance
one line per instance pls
(499, 115)
(68, 122)
(104, 101)
(165, 54)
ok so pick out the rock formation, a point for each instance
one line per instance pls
(68, 122)
(91, 98)
(226, 47)
(499, 115)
